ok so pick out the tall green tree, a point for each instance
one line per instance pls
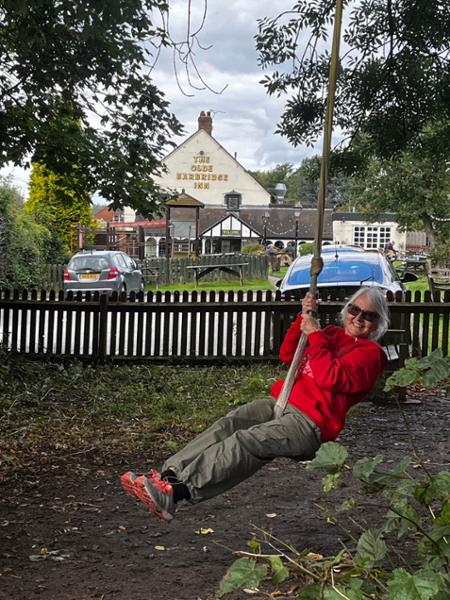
(415, 185)
(303, 184)
(92, 60)
(269, 179)
(23, 243)
(59, 208)
(394, 75)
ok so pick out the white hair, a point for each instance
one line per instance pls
(380, 305)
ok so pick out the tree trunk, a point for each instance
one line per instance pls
(429, 230)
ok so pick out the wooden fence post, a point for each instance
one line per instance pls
(102, 328)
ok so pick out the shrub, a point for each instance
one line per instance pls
(257, 249)
(23, 243)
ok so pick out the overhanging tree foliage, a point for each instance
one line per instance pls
(394, 72)
(88, 60)
(415, 185)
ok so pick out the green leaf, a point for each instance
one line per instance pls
(331, 481)
(439, 487)
(428, 370)
(364, 468)
(254, 545)
(347, 504)
(409, 519)
(243, 571)
(371, 548)
(444, 517)
(330, 455)
(311, 592)
(421, 586)
(339, 592)
(280, 572)
(402, 378)
(399, 469)
(427, 361)
(391, 522)
(440, 533)
(438, 371)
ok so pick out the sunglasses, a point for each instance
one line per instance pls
(367, 315)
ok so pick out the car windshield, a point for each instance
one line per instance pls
(78, 263)
(338, 271)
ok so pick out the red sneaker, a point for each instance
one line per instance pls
(128, 481)
(157, 495)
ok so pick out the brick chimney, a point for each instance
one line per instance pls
(205, 122)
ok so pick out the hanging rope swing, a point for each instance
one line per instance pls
(316, 261)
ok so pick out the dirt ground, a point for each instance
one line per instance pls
(68, 532)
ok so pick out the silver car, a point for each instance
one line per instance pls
(103, 271)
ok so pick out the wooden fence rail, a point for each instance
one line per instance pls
(184, 326)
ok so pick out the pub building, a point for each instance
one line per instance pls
(217, 202)
(217, 207)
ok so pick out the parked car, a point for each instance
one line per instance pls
(103, 271)
(344, 272)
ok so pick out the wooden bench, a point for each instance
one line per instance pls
(151, 274)
(235, 269)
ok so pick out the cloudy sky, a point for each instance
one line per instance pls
(244, 116)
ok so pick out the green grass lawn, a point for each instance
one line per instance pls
(421, 284)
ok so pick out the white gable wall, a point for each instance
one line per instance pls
(231, 227)
(205, 170)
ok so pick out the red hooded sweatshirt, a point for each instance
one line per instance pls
(336, 371)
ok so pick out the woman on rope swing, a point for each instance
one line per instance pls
(338, 369)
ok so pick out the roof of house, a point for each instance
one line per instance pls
(357, 216)
(184, 200)
(280, 223)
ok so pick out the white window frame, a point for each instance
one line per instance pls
(371, 237)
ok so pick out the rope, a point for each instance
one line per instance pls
(316, 261)
(316, 266)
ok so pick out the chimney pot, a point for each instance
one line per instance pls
(205, 122)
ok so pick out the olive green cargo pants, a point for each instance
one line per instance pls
(239, 444)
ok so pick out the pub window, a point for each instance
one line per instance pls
(372, 237)
(385, 236)
(233, 201)
(358, 236)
